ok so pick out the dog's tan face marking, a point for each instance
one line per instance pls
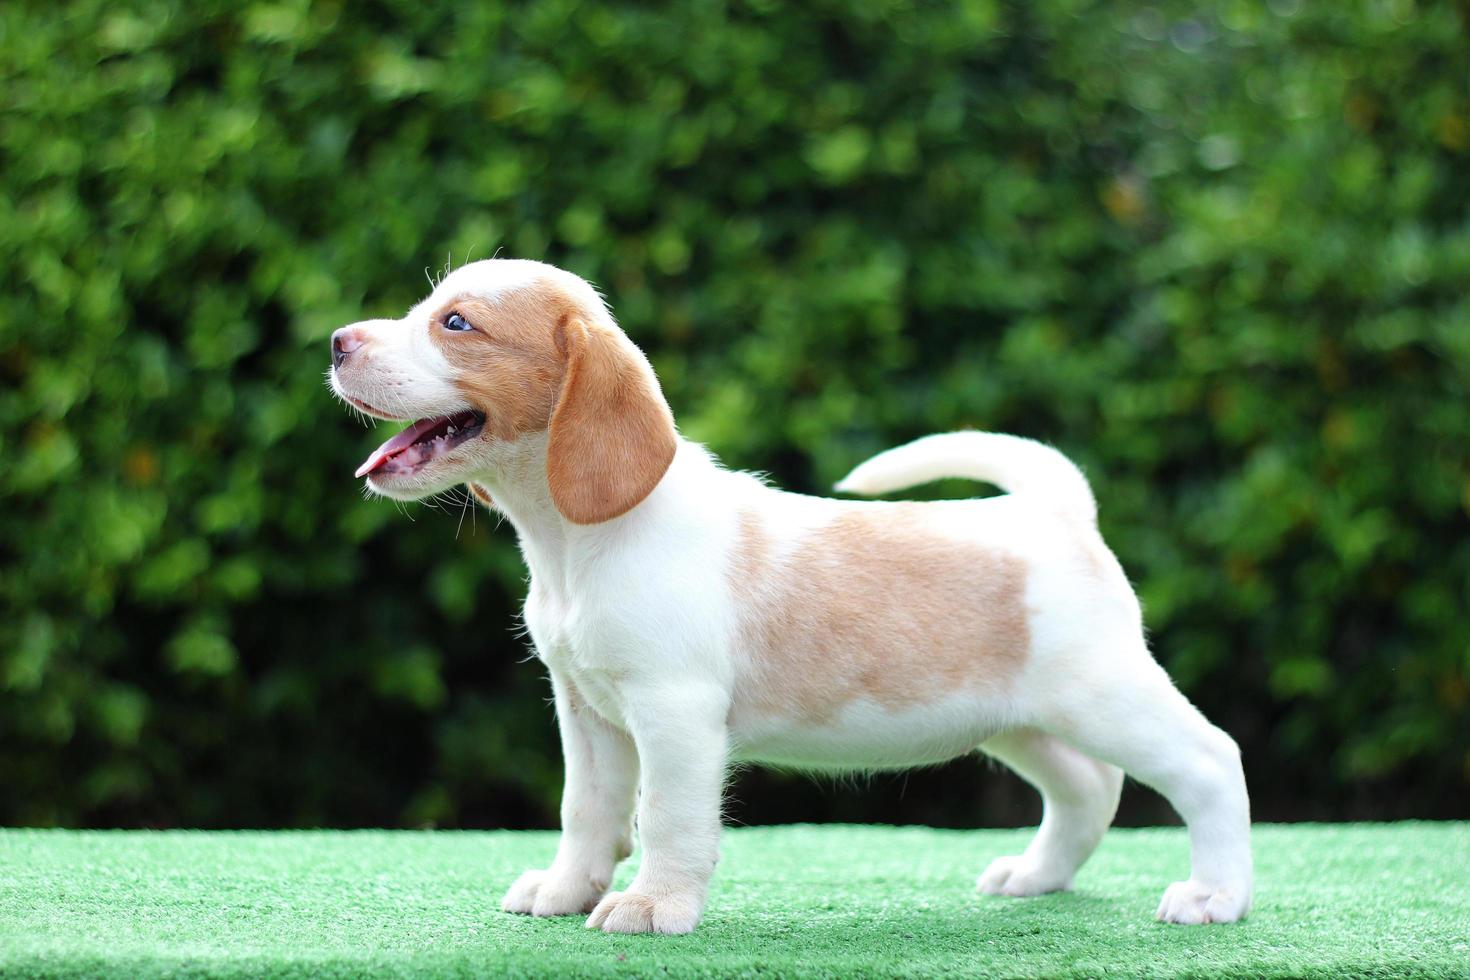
(537, 360)
(511, 365)
(875, 606)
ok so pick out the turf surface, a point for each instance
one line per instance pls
(1381, 900)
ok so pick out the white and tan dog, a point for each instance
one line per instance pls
(691, 617)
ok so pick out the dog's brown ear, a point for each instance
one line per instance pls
(482, 495)
(612, 434)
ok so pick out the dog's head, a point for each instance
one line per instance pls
(500, 351)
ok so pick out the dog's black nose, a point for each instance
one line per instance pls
(344, 342)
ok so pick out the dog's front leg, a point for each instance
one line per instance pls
(596, 812)
(681, 739)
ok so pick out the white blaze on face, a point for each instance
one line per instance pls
(423, 377)
(398, 371)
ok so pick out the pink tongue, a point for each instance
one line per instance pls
(396, 445)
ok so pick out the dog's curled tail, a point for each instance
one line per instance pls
(1016, 465)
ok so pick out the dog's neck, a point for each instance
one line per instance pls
(519, 488)
(516, 480)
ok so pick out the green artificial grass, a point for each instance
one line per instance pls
(1332, 900)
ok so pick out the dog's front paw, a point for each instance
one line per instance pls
(632, 911)
(1017, 877)
(1193, 903)
(552, 893)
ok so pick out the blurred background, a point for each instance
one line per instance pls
(1218, 253)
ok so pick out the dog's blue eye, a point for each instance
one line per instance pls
(456, 322)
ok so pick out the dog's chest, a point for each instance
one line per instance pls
(596, 687)
(560, 639)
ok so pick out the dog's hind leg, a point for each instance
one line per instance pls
(1128, 712)
(1079, 797)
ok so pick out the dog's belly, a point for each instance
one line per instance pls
(866, 736)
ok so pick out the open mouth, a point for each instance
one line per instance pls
(423, 442)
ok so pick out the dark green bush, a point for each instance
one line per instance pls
(1218, 254)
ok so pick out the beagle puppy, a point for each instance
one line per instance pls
(691, 617)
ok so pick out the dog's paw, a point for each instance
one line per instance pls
(635, 912)
(552, 893)
(1017, 877)
(1193, 903)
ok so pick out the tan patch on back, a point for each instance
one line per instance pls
(878, 605)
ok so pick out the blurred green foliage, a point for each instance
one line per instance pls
(1218, 253)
